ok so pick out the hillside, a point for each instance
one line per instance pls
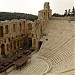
(9, 16)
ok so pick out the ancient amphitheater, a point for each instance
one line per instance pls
(56, 55)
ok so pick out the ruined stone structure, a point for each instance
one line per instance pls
(56, 55)
(17, 34)
(46, 13)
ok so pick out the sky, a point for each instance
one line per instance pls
(33, 6)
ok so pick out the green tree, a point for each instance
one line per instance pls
(69, 12)
(73, 11)
(65, 14)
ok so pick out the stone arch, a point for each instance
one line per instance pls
(44, 15)
(34, 42)
(12, 37)
(7, 47)
(20, 43)
(39, 44)
(29, 42)
(17, 43)
(24, 24)
(29, 26)
(6, 29)
(1, 31)
(14, 44)
(2, 49)
(14, 28)
(20, 27)
(21, 34)
(11, 46)
(48, 15)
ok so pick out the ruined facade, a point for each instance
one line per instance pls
(17, 34)
(46, 13)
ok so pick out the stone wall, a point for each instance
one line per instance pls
(46, 13)
(64, 18)
(16, 34)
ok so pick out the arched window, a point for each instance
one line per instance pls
(18, 43)
(44, 15)
(29, 26)
(6, 29)
(7, 47)
(29, 42)
(34, 42)
(20, 27)
(24, 24)
(9, 39)
(13, 27)
(11, 46)
(3, 50)
(14, 45)
(1, 31)
(21, 34)
(4, 40)
(12, 37)
(48, 15)
(24, 27)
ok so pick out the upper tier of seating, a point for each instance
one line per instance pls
(59, 48)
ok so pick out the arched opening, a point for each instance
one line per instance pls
(1, 31)
(40, 43)
(29, 42)
(14, 45)
(13, 27)
(12, 37)
(48, 15)
(34, 42)
(11, 46)
(24, 27)
(3, 50)
(9, 39)
(44, 15)
(18, 43)
(21, 34)
(20, 27)
(25, 43)
(41, 29)
(7, 47)
(4, 40)
(6, 29)
(29, 26)
(24, 24)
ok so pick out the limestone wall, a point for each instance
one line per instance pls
(16, 34)
(46, 13)
(64, 18)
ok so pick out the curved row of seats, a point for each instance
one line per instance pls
(59, 48)
(36, 67)
(58, 51)
(65, 65)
